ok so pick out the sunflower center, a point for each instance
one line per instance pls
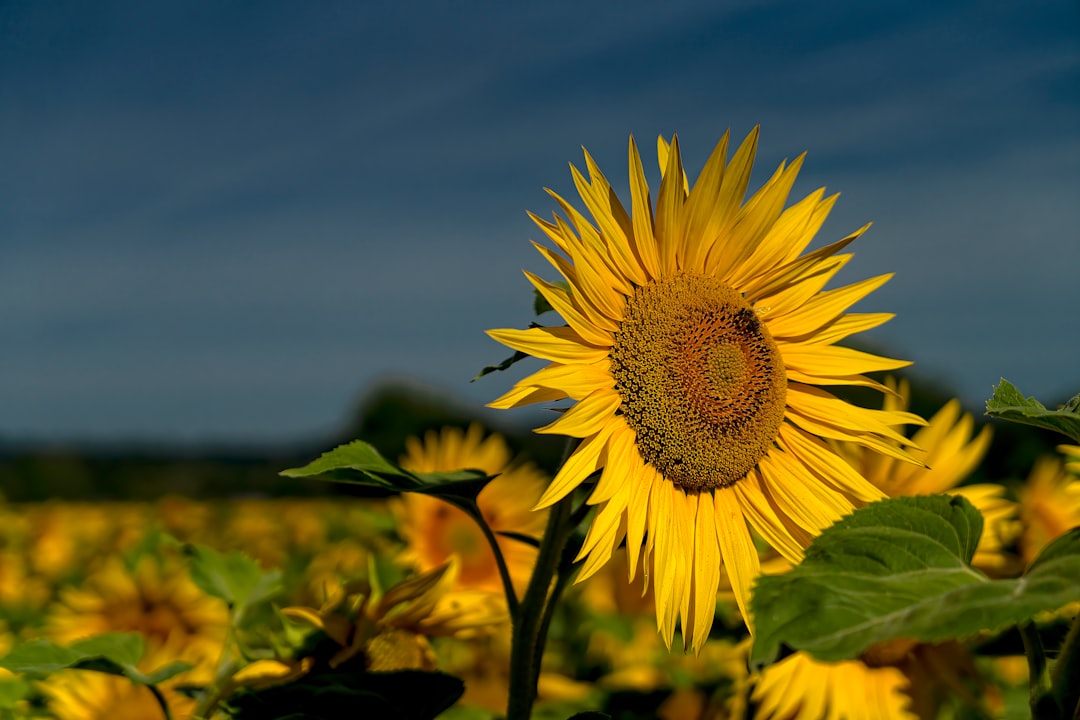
(701, 379)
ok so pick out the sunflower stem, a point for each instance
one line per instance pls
(1066, 677)
(1043, 705)
(161, 701)
(500, 561)
(529, 622)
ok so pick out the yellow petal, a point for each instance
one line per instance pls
(642, 216)
(763, 518)
(822, 309)
(706, 571)
(737, 548)
(587, 416)
(560, 344)
(721, 257)
(834, 360)
(702, 219)
(642, 478)
(582, 462)
(561, 302)
(669, 212)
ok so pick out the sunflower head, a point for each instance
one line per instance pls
(698, 343)
(157, 599)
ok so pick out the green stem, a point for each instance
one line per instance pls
(528, 622)
(1043, 706)
(1066, 678)
(161, 701)
(500, 562)
(226, 667)
(564, 573)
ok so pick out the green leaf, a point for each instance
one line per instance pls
(899, 569)
(359, 457)
(235, 578)
(540, 306)
(359, 463)
(113, 653)
(504, 365)
(12, 691)
(1008, 403)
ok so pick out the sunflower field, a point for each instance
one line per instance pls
(749, 520)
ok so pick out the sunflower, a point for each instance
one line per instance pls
(697, 342)
(1049, 504)
(950, 449)
(155, 598)
(801, 688)
(90, 695)
(436, 530)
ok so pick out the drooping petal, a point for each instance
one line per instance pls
(736, 547)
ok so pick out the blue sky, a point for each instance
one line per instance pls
(227, 221)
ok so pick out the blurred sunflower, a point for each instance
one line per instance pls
(801, 688)
(697, 338)
(950, 451)
(155, 598)
(90, 695)
(1049, 504)
(436, 530)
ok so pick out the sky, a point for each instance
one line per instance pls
(229, 221)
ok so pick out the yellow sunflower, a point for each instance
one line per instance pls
(1049, 505)
(436, 530)
(90, 695)
(156, 599)
(697, 340)
(950, 450)
(801, 688)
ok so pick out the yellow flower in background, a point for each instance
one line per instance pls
(156, 599)
(698, 337)
(90, 695)
(801, 688)
(950, 451)
(1072, 458)
(436, 530)
(1049, 505)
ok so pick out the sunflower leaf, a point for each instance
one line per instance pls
(1008, 403)
(504, 365)
(356, 462)
(899, 569)
(235, 578)
(359, 463)
(114, 653)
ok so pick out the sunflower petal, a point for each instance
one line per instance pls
(587, 417)
(737, 549)
(560, 344)
(581, 463)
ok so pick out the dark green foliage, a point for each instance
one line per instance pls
(342, 694)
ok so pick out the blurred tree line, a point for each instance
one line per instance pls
(384, 418)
